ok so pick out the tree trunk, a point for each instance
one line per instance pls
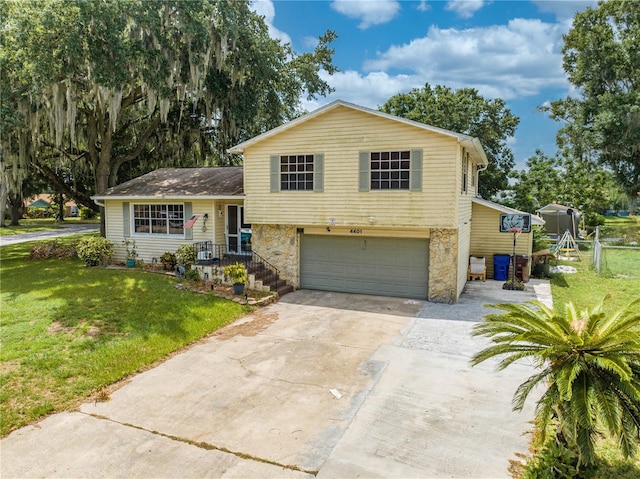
(61, 208)
(103, 169)
(16, 201)
(3, 201)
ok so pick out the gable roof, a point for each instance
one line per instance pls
(535, 219)
(557, 209)
(39, 203)
(180, 183)
(467, 141)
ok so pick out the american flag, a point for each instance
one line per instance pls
(192, 221)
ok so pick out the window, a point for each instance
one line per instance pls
(164, 219)
(296, 172)
(465, 171)
(390, 170)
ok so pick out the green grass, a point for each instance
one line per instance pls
(42, 224)
(620, 263)
(67, 331)
(585, 288)
(621, 220)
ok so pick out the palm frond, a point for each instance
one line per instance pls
(622, 316)
(521, 394)
(566, 375)
(546, 409)
(519, 350)
(612, 362)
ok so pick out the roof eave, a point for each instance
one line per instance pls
(166, 197)
(535, 219)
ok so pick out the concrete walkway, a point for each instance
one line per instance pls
(64, 230)
(326, 384)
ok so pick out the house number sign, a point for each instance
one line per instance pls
(355, 231)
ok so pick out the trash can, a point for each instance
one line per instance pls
(522, 268)
(501, 266)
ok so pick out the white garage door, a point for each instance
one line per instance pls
(366, 265)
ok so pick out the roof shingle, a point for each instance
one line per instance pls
(182, 182)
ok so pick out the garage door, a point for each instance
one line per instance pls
(381, 266)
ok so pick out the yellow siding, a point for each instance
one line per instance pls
(486, 238)
(152, 246)
(464, 208)
(340, 135)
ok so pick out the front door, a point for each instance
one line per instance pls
(238, 232)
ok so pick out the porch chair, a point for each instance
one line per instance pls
(477, 268)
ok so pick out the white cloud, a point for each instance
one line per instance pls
(370, 12)
(266, 9)
(564, 9)
(371, 90)
(465, 8)
(423, 6)
(507, 61)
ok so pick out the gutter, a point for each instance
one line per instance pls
(98, 199)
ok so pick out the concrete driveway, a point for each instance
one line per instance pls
(326, 384)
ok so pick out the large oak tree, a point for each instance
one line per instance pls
(91, 86)
(465, 111)
(602, 60)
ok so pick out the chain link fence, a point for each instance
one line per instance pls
(616, 251)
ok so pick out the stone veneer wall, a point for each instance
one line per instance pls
(278, 244)
(443, 266)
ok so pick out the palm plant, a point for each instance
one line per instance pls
(588, 361)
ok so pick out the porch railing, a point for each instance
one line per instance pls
(209, 253)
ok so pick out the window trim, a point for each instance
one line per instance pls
(150, 218)
(315, 184)
(415, 170)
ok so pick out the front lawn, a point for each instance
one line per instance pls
(586, 287)
(67, 331)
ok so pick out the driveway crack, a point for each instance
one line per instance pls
(206, 445)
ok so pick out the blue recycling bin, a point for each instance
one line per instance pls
(501, 266)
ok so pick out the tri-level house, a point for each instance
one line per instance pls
(345, 199)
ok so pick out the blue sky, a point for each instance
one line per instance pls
(506, 49)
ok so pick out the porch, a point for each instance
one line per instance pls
(212, 258)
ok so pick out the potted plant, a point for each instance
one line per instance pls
(168, 260)
(237, 274)
(132, 253)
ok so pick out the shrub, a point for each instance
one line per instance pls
(52, 249)
(168, 260)
(192, 275)
(540, 239)
(237, 273)
(594, 219)
(186, 255)
(555, 461)
(94, 250)
(87, 213)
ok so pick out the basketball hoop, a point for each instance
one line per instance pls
(515, 230)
